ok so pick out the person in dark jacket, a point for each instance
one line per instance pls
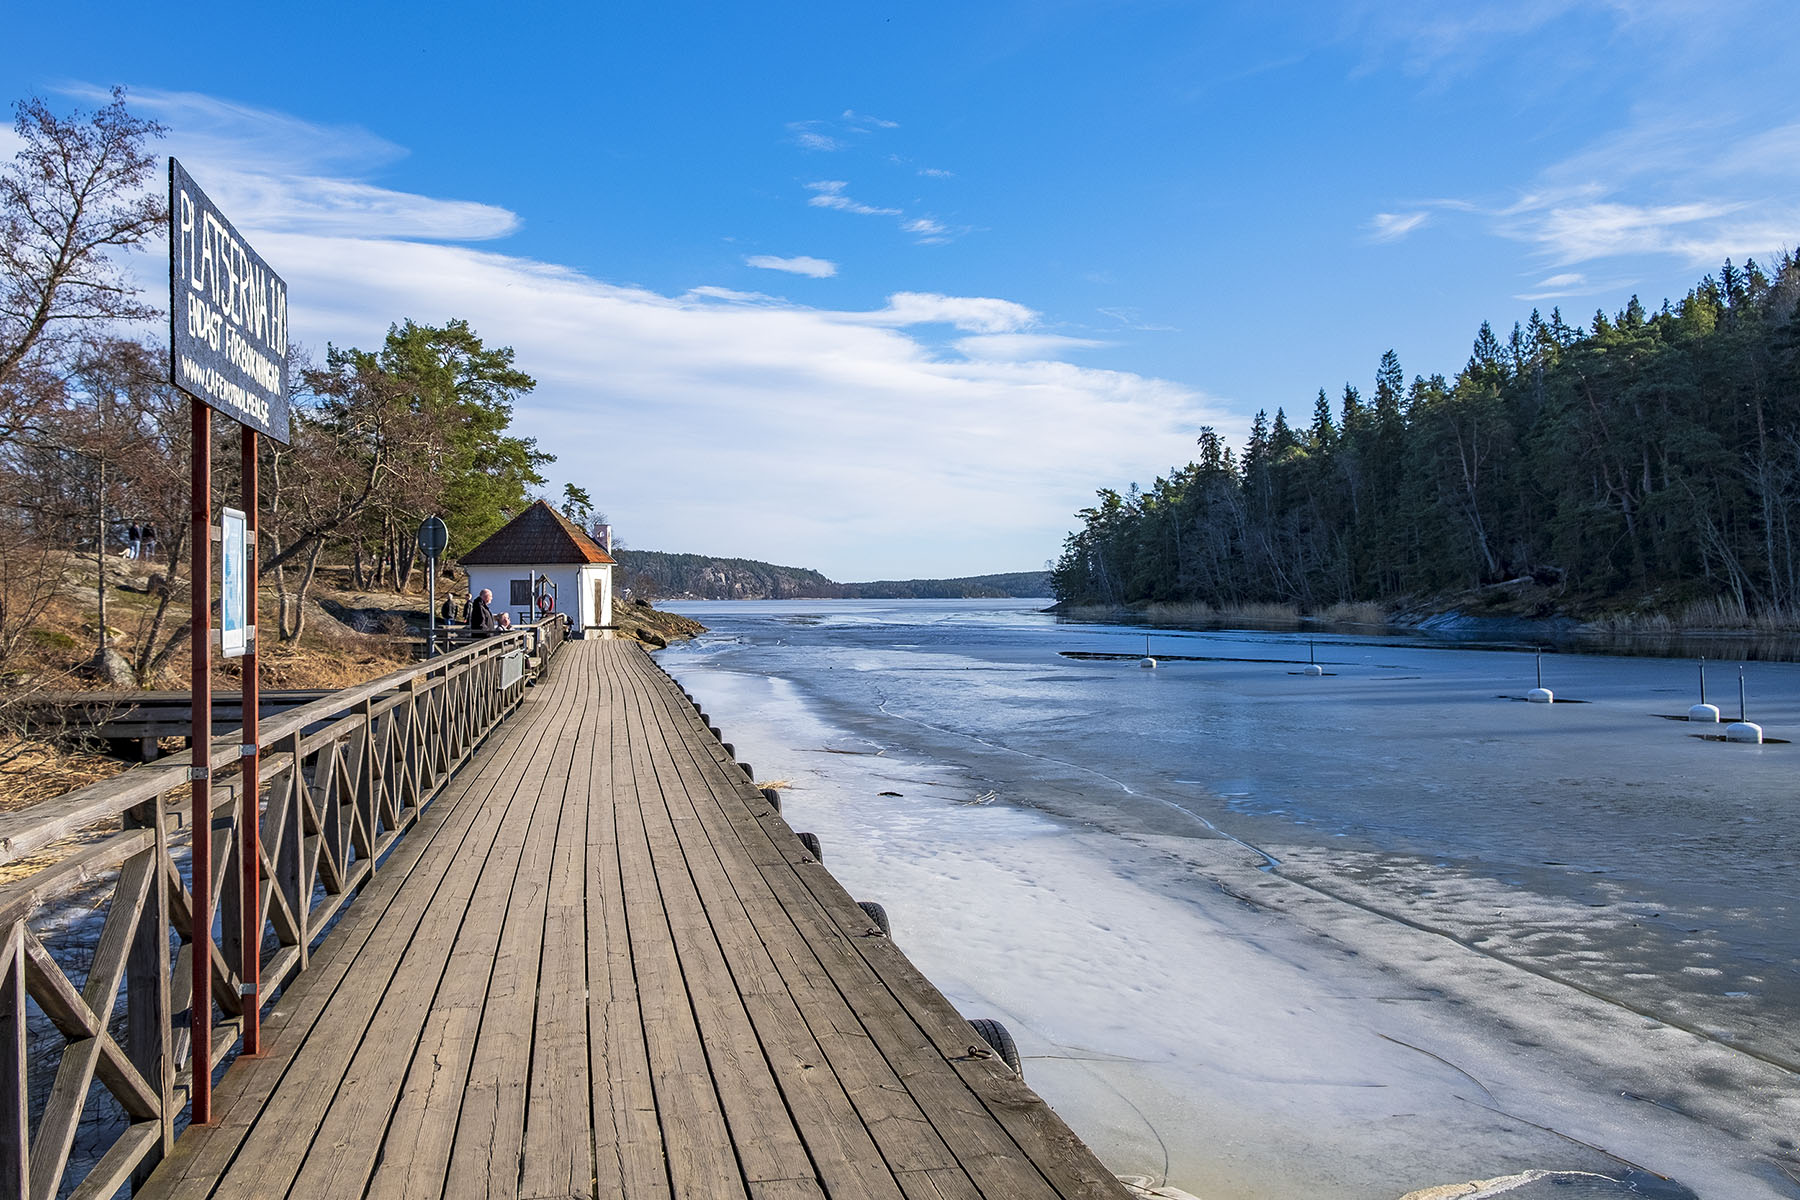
(481, 616)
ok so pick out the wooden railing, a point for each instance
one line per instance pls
(96, 943)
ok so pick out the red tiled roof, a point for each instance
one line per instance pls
(540, 534)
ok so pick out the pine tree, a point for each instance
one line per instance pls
(1323, 433)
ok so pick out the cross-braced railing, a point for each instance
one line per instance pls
(97, 944)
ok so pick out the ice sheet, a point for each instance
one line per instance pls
(1261, 934)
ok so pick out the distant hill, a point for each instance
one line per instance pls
(704, 578)
(701, 577)
(969, 587)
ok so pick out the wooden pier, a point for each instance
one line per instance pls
(601, 964)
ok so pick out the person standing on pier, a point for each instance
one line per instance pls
(481, 616)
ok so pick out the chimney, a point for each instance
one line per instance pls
(605, 532)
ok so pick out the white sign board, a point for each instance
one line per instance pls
(234, 590)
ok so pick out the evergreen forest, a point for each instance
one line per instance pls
(1649, 461)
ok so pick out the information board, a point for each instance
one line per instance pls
(228, 315)
(234, 586)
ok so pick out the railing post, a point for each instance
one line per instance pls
(15, 1129)
(412, 760)
(368, 791)
(332, 833)
(149, 1037)
(290, 860)
(230, 897)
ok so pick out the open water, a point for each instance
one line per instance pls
(1266, 934)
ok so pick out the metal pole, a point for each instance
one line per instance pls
(431, 616)
(200, 688)
(250, 820)
(1703, 679)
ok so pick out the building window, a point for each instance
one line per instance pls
(521, 593)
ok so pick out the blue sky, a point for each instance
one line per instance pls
(890, 290)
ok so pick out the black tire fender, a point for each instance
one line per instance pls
(1000, 1041)
(877, 914)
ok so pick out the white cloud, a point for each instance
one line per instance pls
(810, 139)
(319, 205)
(1391, 227)
(1022, 347)
(974, 314)
(1581, 233)
(1428, 36)
(864, 121)
(272, 171)
(1697, 190)
(836, 135)
(1132, 318)
(815, 268)
(926, 230)
(252, 140)
(829, 193)
(729, 295)
(1569, 283)
(936, 173)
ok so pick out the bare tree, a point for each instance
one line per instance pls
(72, 197)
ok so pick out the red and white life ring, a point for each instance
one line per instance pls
(546, 604)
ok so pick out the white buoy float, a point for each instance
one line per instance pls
(1708, 713)
(1743, 729)
(1312, 661)
(1541, 694)
(1147, 662)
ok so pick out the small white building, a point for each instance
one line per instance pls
(540, 558)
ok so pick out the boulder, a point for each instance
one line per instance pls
(111, 668)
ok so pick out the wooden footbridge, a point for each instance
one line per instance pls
(543, 941)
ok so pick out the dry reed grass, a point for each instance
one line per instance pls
(32, 771)
(1172, 613)
(1354, 613)
(1200, 613)
(1718, 614)
(1261, 614)
(1091, 612)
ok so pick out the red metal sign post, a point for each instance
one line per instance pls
(200, 685)
(227, 350)
(249, 823)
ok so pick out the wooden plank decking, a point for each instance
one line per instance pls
(602, 965)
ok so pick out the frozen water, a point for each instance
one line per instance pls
(1260, 934)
